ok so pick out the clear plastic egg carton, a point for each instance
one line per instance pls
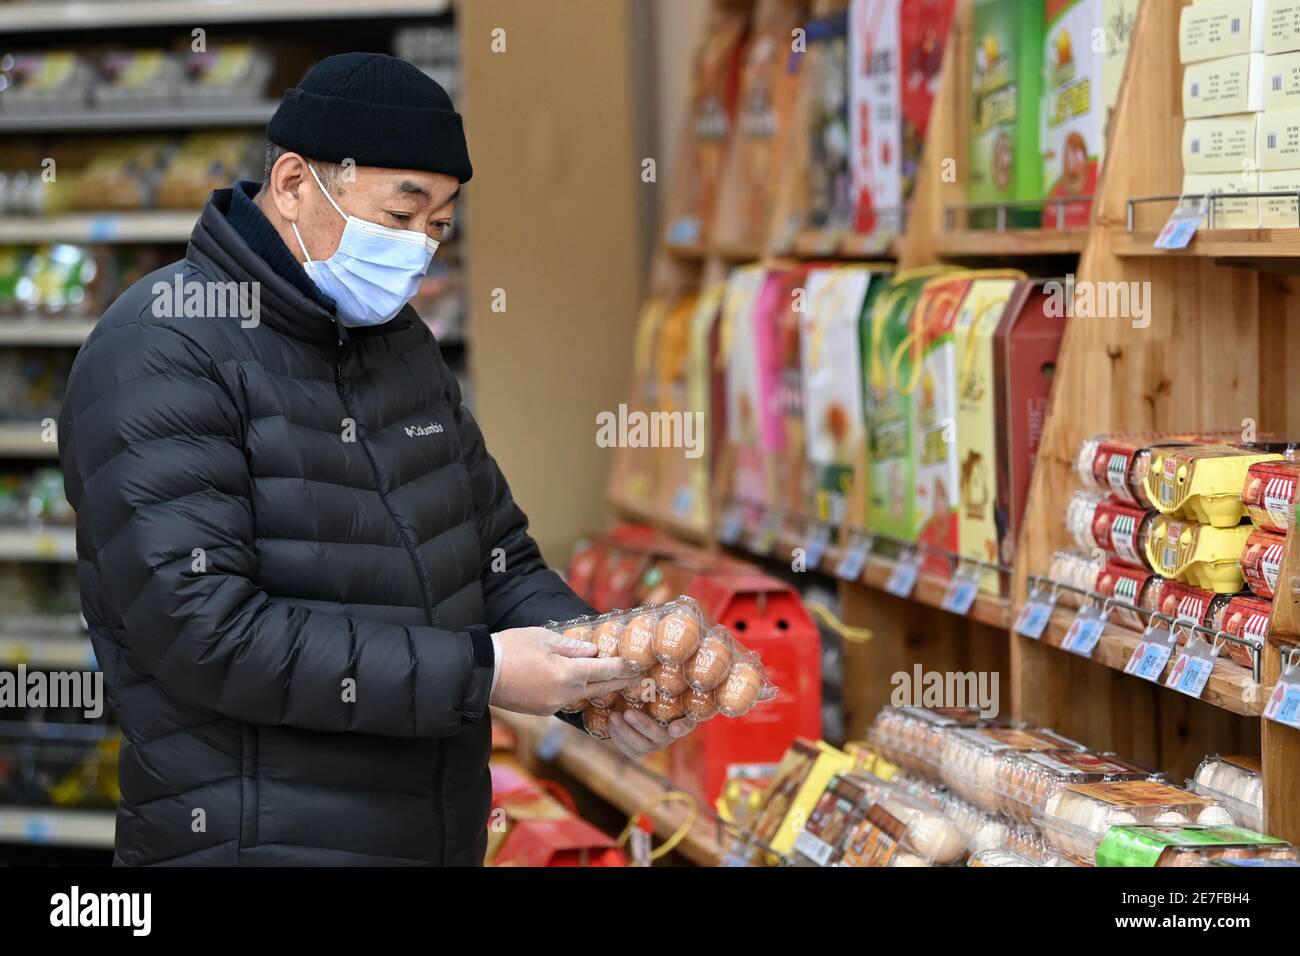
(1075, 570)
(902, 830)
(981, 829)
(972, 758)
(1023, 780)
(913, 737)
(1076, 818)
(1237, 783)
(1079, 514)
(1000, 858)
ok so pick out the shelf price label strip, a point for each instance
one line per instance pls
(1284, 703)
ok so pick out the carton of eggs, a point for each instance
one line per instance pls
(913, 737)
(972, 760)
(1236, 782)
(1024, 780)
(690, 669)
(1075, 818)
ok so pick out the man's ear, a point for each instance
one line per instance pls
(286, 184)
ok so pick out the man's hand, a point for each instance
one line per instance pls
(541, 671)
(637, 735)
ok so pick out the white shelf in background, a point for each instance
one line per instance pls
(53, 653)
(70, 331)
(90, 227)
(26, 17)
(168, 116)
(49, 544)
(25, 440)
(57, 827)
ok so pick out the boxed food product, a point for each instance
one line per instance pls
(845, 801)
(1269, 494)
(1074, 110)
(924, 34)
(902, 830)
(1242, 616)
(891, 508)
(1023, 780)
(204, 162)
(832, 386)
(830, 200)
(801, 779)
(230, 73)
(1076, 818)
(1282, 26)
(1229, 144)
(1189, 846)
(1231, 84)
(1198, 554)
(1006, 57)
(1279, 212)
(748, 358)
(635, 472)
(1137, 586)
(1236, 782)
(913, 737)
(1123, 530)
(1202, 483)
(1281, 82)
(1119, 18)
(971, 759)
(974, 332)
(45, 82)
(1228, 212)
(875, 125)
(1261, 561)
(689, 667)
(132, 77)
(1217, 28)
(123, 175)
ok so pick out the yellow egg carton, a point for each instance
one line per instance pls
(1201, 482)
(1198, 554)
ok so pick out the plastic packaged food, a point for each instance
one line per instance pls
(912, 737)
(229, 73)
(1237, 782)
(596, 721)
(1185, 603)
(901, 830)
(1076, 570)
(133, 77)
(1261, 561)
(48, 82)
(1270, 494)
(1198, 554)
(1122, 530)
(981, 829)
(1189, 846)
(844, 802)
(1242, 615)
(1011, 858)
(1135, 586)
(1118, 464)
(1202, 483)
(1079, 517)
(1024, 781)
(972, 759)
(1075, 818)
(662, 642)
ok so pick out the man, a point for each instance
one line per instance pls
(305, 577)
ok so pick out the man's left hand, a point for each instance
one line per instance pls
(637, 735)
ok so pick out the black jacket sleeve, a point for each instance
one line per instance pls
(149, 440)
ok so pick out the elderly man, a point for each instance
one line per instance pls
(304, 575)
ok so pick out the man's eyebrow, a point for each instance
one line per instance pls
(411, 186)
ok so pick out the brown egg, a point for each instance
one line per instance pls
(670, 679)
(641, 692)
(665, 709)
(740, 690)
(709, 667)
(636, 643)
(622, 705)
(606, 638)
(677, 637)
(699, 706)
(596, 720)
(579, 632)
(575, 707)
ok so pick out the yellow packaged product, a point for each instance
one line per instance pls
(1202, 482)
(1199, 554)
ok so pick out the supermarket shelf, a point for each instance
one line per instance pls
(51, 544)
(169, 116)
(671, 524)
(56, 827)
(975, 243)
(56, 332)
(23, 440)
(1230, 687)
(730, 253)
(151, 226)
(28, 17)
(56, 653)
(612, 777)
(1212, 244)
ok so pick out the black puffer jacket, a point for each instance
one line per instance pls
(291, 551)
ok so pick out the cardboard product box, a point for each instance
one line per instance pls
(875, 107)
(786, 293)
(924, 30)
(832, 385)
(830, 199)
(1223, 144)
(1233, 84)
(1279, 142)
(1282, 82)
(1219, 28)
(891, 461)
(1279, 213)
(1282, 26)
(974, 334)
(801, 778)
(1024, 353)
(1074, 111)
(1228, 213)
(1119, 20)
(1004, 164)
(634, 474)
(750, 366)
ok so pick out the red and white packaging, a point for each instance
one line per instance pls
(1243, 616)
(1121, 530)
(1261, 561)
(1270, 494)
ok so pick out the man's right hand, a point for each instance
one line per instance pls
(541, 671)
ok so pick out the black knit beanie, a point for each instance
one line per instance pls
(376, 110)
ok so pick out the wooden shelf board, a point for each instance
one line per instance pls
(1230, 687)
(53, 332)
(644, 513)
(1212, 244)
(974, 243)
(616, 780)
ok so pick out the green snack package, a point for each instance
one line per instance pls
(1186, 846)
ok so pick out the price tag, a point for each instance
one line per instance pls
(814, 547)
(1085, 630)
(1192, 668)
(1037, 611)
(732, 525)
(105, 228)
(1284, 703)
(962, 589)
(1181, 225)
(1152, 653)
(854, 556)
(902, 579)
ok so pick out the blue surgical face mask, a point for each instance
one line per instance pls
(375, 270)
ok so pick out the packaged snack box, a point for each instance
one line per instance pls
(830, 201)
(924, 34)
(845, 801)
(749, 353)
(788, 296)
(1074, 113)
(800, 780)
(902, 830)
(875, 127)
(1211, 29)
